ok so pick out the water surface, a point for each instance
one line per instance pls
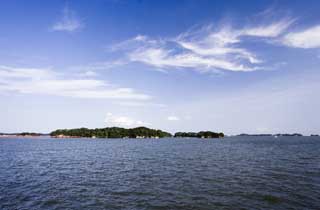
(229, 173)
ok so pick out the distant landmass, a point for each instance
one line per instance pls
(111, 132)
(201, 134)
(279, 134)
(23, 134)
(139, 132)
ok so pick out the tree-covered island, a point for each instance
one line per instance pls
(23, 134)
(111, 132)
(201, 134)
(139, 132)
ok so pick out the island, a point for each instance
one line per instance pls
(110, 132)
(139, 132)
(288, 134)
(201, 134)
(23, 134)
(274, 135)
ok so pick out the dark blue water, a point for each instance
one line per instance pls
(230, 173)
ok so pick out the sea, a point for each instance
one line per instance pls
(229, 173)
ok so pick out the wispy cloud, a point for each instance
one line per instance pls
(308, 38)
(203, 49)
(123, 121)
(270, 30)
(49, 82)
(68, 22)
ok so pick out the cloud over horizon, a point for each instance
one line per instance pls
(123, 121)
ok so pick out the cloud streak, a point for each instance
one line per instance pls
(270, 30)
(48, 82)
(204, 49)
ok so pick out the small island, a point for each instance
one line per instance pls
(139, 132)
(274, 135)
(23, 134)
(201, 134)
(110, 132)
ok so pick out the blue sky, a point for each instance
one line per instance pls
(230, 66)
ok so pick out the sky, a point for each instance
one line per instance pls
(185, 65)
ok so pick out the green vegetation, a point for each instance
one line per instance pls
(201, 134)
(139, 132)
(112, 132)
(28, 134)
(21, 134)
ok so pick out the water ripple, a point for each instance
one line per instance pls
(233, 173)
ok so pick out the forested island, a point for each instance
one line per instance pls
(201, 134)
(111, 132)
(23, 134)
(139, 132)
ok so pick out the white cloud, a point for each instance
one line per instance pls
(309, 38)
(184, 54)
(68, 22)
(48, 82)
(204, 49)
(173, 118)
(163, 58)
(123, 121)
(271, 30)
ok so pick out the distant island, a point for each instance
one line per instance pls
(277, 135)
(201, 134)
(139, 132)
(111, 132)
(23, 134)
